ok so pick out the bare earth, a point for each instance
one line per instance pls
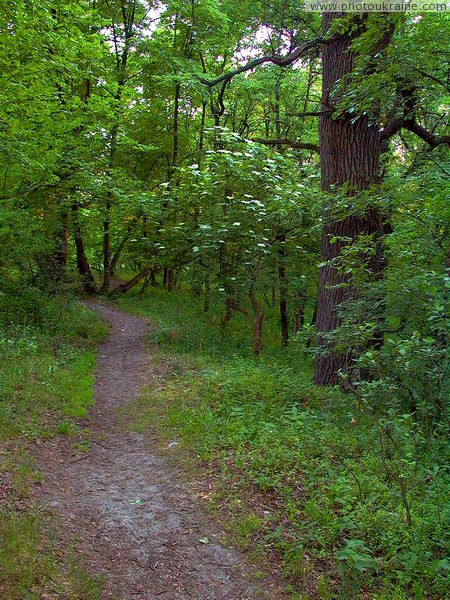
(124, 506)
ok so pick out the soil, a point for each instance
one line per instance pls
(122, 503)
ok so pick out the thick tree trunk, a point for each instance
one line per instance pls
(350, 161)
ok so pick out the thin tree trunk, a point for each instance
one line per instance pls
(170, 280)
(84, 268)
(284, 321)
(128, 17)
(106, 248)
(202, 134)
(117, 254)
(58, 259)
(229, 303)
(207, 303)
(258, 322)
(145, 285)
(176, 114)
(299, 314)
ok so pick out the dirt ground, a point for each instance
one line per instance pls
(123, 504)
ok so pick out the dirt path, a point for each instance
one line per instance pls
(132, 517)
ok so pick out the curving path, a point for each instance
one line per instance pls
(124, 505)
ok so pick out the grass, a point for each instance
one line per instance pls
(32, 570)
(46, 377)
(349, 502)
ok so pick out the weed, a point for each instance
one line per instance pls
(46, 379)
(362, 496)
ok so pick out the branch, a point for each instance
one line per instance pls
(290, 143)
(407, 120)
(323, 113)
(426, 135)
(433, 78)
(281, 61)
(391, 129)
(127, 285)
(22, 192)
(411, 125)
(235, 306)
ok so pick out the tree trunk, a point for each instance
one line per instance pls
(257, 334)
(144, 285)
(170, 280)
(350, 160)
(57, 261)
(258, 322)
(229, 303)
(284, 322)
(299, 314)
(84, 268)
(176, 112)
(116, 257)
(207, 293)
(106, 249)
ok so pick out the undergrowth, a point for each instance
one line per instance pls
(353, 502)
(46, 373)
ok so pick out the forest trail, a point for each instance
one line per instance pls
(123, 505)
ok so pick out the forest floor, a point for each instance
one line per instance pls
(123, 504)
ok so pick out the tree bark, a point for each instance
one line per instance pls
(170, 280)
(84, 268)
(127, 285)
(117, 254)
(207, 303)
(350, 161)
(57, 261)
(284, 322)
(106, 248)
(299, 314)
(258, 322)
(229, 304)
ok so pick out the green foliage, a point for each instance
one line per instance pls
(364, 495)
(111, 140)
(46, 375)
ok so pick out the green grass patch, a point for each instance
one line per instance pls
(32, 570)
(46, 376)
(351, 501)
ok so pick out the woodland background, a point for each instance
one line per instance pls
(270, 186)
